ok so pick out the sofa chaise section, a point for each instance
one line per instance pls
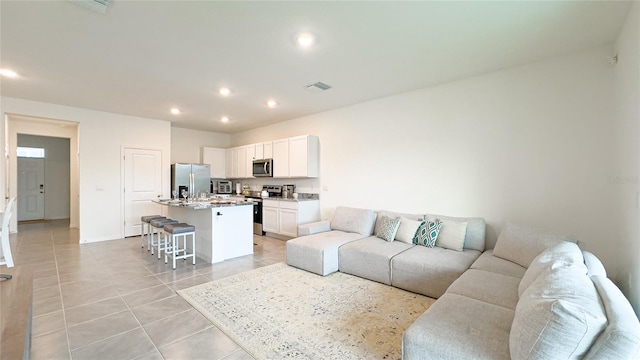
(317, 250)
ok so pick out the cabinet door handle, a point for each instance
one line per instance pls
(219, 213)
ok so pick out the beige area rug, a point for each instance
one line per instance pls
(280, 312)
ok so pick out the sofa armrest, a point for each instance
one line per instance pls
(314, 228)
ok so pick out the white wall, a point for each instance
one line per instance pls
(57, 169)
(625, 178)
(186, 144)
(531, 145)
(101, 136)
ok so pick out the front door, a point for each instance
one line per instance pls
(142, 184)
(30, 189)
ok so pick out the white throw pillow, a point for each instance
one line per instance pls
(452, 235)
(407, 230)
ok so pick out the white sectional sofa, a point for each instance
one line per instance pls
(533, 296)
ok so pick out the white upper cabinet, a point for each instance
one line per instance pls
(296, 157)
(242, 158)
(281, 158)
(304, 156)
(248, 160)
(268, 150)
(232, 163)
(217, 160)
(258, 151)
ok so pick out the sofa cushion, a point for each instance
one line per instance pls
(353, 220)
(370, 258)
(522, 244)
(621, 338)
(394, 215)
(593, 264)
(475, 236)
(452, 235)
(428, 233)
(559, 316)
(318, 253)
(429, 271)
(496, 289)
(461, 328)
(491, 263)
(408, 230)
(562, 254)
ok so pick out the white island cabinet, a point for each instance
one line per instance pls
(222, 233)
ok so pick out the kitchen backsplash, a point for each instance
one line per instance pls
(308, 196)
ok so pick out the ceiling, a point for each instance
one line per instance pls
(142, 58)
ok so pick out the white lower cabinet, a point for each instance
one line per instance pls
(283, 217)
(270, 222)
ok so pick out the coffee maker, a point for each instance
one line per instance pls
(288, 190)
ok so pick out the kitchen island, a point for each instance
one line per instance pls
(224, 229)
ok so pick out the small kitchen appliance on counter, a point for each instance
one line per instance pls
(273, 190)
(224, 187)
(288, 190)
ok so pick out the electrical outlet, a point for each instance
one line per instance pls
(325, 188)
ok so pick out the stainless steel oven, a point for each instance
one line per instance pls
(263, 168)
(257, 215)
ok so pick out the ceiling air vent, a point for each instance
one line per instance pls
(318, 87)
(95, 5)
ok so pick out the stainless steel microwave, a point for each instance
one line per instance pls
(263, 168)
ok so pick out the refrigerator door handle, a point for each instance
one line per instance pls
(191, 182)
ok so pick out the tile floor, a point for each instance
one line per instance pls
(113, 300)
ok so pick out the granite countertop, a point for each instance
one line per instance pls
(280, 198)
(203, 204)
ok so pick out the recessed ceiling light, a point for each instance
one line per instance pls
(272, 103)
(8, 73)
(225, 91)
(225, 119)
(175, 111)
(305, 40)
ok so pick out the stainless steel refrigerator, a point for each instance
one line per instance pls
(192, 177)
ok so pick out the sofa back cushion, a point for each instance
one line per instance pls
(564, 254)
(621, 338)
(558, 317)
(593, 264)
(476, 227)
(520, 244)
(353, 220)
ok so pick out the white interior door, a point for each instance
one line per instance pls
(142, 184)
(30, 189)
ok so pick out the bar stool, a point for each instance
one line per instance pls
(156, 226)
(179, 231)
(146, 220)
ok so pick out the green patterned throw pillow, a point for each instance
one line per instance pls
(388, 228)
(428, 233)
